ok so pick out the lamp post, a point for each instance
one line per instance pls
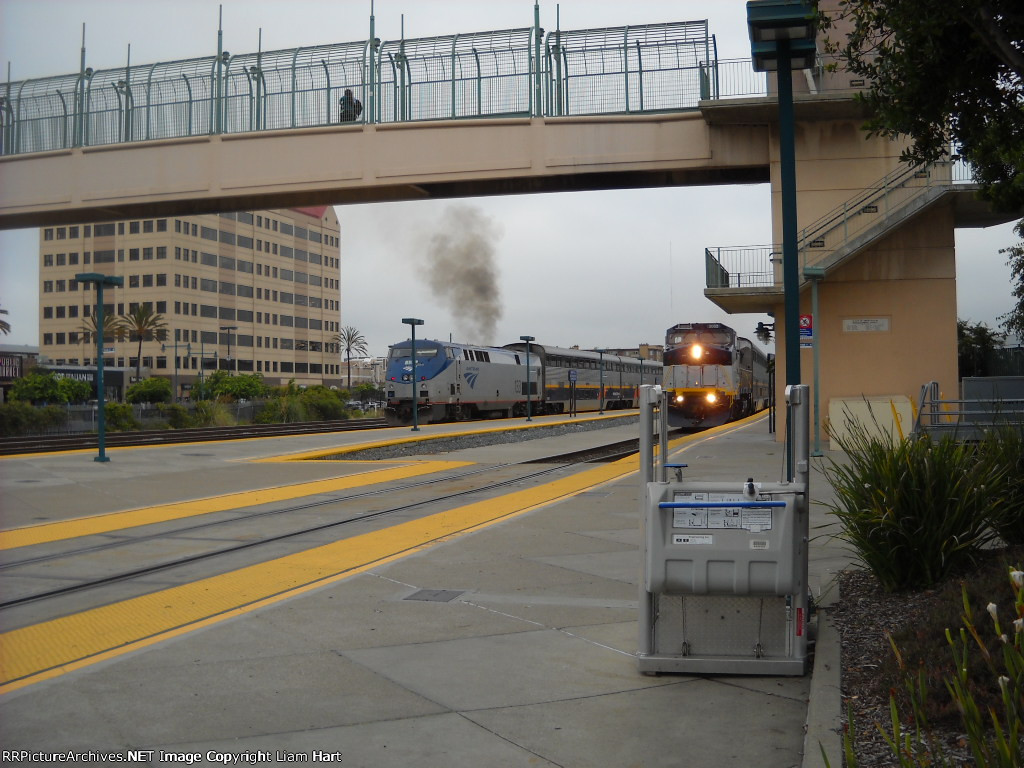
(782, 36)
(188, 351)
(815, 275)
(229, 329)
(528, 339)
(412, 322)
(101, 415)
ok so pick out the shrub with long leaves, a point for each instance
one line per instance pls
(1005, 448)
(911, 510)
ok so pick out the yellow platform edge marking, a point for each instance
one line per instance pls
(116, 521)
(50, 648)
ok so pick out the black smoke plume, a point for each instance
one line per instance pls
(463, 273)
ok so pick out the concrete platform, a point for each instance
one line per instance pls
(511, 645)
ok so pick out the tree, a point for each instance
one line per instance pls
(1013, 321)
(350, 341)
(37, 386)
(975, 345)
(155, 389)
(941, 72)
(143, 324)
(5, 327)
(113, 328)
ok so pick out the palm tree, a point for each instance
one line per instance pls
(113, 328)
(350, 341)
(144, 324)
(5, 327)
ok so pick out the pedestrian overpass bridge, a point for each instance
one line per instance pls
(518, 111)
(464, 115)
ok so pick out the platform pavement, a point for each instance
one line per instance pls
(523, 656)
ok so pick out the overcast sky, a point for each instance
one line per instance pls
(601, 269)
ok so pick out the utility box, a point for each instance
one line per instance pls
(725, 564)
(724, 575)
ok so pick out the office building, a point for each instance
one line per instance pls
(249, 292)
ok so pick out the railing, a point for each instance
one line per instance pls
(964, 419)
(839, 229)
(517, 72)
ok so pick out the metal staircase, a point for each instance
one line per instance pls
(843, 231)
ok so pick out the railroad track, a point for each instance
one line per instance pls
(556, 465)
(11, 446)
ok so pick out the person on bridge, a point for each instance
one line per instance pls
(351, 108)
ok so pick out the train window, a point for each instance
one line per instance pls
(465, 354)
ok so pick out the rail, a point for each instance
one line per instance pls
(841, 230)
(11, 446)
(964, 419)
(515, 72)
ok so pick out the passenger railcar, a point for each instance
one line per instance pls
(457, 381)
(712, 376)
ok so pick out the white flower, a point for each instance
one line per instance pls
(993, 611)
(1018, 578)
(1003, 682)
(1005, 639)
(1018, 625)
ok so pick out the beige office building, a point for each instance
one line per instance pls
(248, 292)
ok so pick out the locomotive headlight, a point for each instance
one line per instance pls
(696, 351)
(711, 397)
(679, 398)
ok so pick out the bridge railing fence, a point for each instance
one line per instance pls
(649, 68)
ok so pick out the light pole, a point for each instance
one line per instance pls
(188, 351)
(412, 322)
(229, 329)
(815, 275)
(101, 415)
(782, 36)
(528, 339)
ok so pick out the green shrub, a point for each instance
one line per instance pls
(282, 410)
(177, 416)
(152, 390)
(1005, 449)
(209, 413)
(18, 418)
(913, 511)
(74, 390)
(119, 417)
(322, 403)
(37, 386)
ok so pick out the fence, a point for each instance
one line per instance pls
(657, 67)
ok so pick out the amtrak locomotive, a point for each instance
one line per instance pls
(712, 376)
(462, 381)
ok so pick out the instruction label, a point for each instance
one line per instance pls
(721, 518)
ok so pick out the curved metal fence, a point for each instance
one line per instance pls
(515, 72)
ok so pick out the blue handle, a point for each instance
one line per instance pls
(676, 466)
(718, 504)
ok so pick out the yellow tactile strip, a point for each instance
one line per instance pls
(116, 521)
(51, 648)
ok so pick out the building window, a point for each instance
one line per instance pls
(147, 281)
(47, 234)
(133, 281)
(161, 279)
(47, 259)
(147, 226)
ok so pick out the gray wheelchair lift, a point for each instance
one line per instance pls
(724, 582)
